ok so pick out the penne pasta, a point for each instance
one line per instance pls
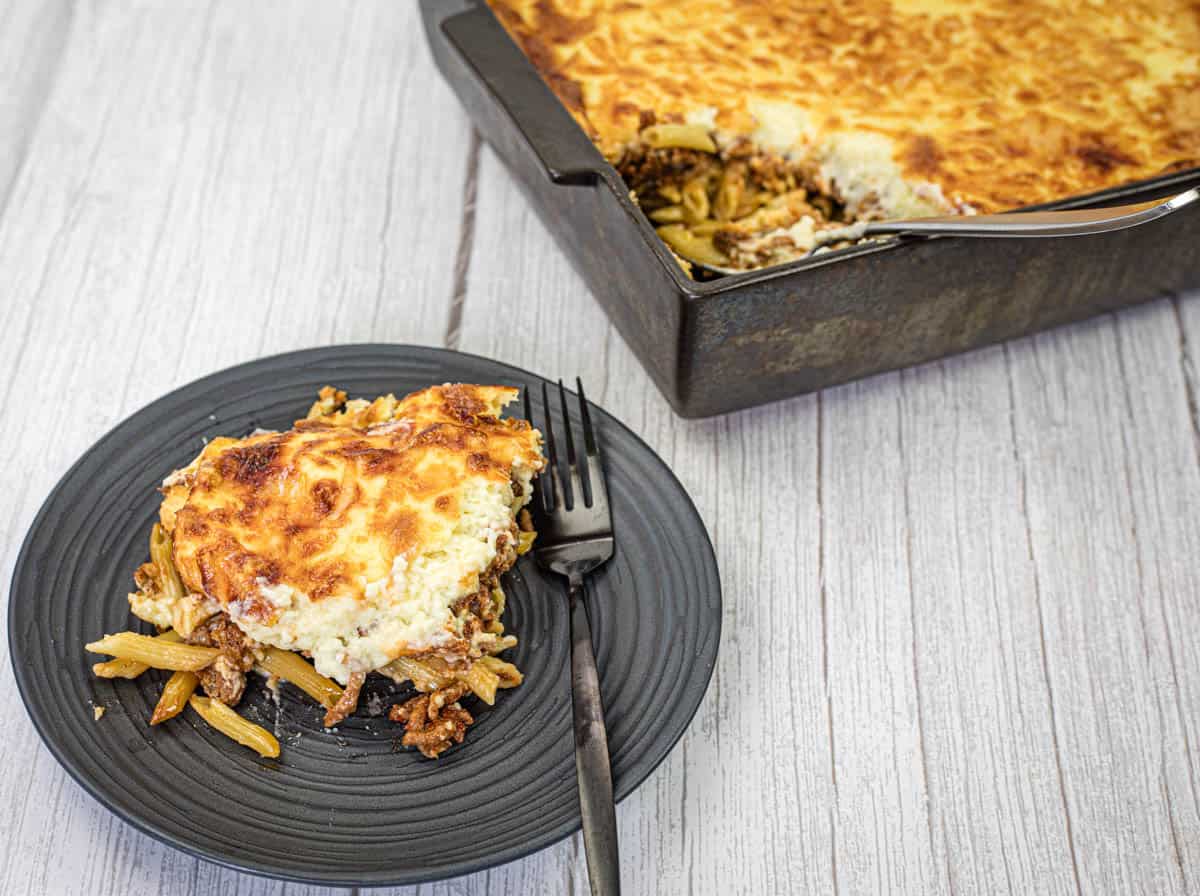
(233, 726)
(423, 675)
(161, 548)
(729, 192)
(706, 228)
(130, 668)
(155, 652)
(695, 200)
(747, 204)
(769, 218)
(508, 675)
(118, 669)
(670, 214)
(695, 248)
(482, 681)
(294, 668)
(791, 200)
(175, 694)
(681, 136)
(502, 644)
(671, 193)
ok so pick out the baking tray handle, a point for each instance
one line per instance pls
(564, 150)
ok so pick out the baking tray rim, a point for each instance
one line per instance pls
(598, 168)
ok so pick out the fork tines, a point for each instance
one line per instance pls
(576, 478)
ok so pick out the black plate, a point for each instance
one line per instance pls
(343, 807)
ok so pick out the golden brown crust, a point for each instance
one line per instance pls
(327, 506)
(999, 103)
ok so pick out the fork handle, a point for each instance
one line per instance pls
(592, 769)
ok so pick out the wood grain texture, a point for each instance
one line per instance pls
(959, 600)
(208, 182)
(884, 836)
(31, 44)
(1107, 487)
(996, 817)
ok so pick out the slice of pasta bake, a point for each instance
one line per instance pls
(369, 538)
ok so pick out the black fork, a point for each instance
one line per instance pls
(575, 535)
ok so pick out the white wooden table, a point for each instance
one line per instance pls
(979, 576)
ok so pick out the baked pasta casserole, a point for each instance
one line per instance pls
(369, 538)
(751, 132)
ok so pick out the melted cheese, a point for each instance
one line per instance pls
(349, 537)
(973, 104)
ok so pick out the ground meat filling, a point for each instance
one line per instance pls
(348, 702)
(479, 611)
(434, 722)
(645, 170)
(148, 579)
(225, 679)
(739, 207)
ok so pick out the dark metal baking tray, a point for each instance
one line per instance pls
(752, 338)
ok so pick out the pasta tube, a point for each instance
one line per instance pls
(669, 214)
(696, 206)
(682, 136)
(729, 193)
(130, 668)
(161, 548)
(155, 652)
(671, 193)
(706, 228)
(233, 726)
(175, 694)
(423, 675)
(482, 681)
(507, 675)
(293, 667)
(694, 248)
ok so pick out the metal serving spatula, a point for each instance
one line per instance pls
(1071, 222)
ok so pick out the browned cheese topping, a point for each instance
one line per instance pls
(1001, 103)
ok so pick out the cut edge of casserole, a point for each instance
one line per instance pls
(727, 200)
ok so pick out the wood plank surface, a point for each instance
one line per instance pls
(31, 49)
(1106, 484)
(208, 182)
(959, 600)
